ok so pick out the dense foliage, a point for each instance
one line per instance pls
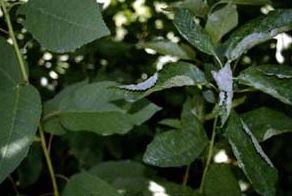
(138, 98)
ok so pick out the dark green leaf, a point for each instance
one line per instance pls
(31, 167)
(86, 147)
(192, 32)
(63, 26)
(258, 31)
(220, 181)
(271, 79)
(266, 123)
(248, 2)
(86, 184)
(20, 114)
(178, 147)
(251, 158)
(20, 108)
(167, 47)
(221, 22)
(90, 108)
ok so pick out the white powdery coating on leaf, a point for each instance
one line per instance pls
(256, 144)
(149, 83)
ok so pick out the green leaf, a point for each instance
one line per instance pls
(30, 169)
(247, 2)
(251, 158)
(86, 147)
(220, 181)
(178, 147)
(91, 107)
(20, 107)
(63, 26)
(271, 79)
(198, 7)
(266, 123)
(167, 47)
(221, 22)
(20, 114)
(172, 75)
(173, 123)
(192, 32)
(136, 179)
(86, 184)
(257, 31)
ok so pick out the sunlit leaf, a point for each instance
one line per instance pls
(271, 79)
(250, 156)
(257, 31)
(266, 123)
(248, 2)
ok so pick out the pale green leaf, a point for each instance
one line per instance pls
(250, 156)
(271, 79)
(257, 31)
(64, 25)
(221, 22)
(86, 184)
(266, 123)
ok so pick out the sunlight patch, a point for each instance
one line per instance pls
(157, 189)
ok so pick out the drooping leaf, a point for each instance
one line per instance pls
(265, 123)
(250, 156)
(221, 22)
(192, 32)
(30, 169)
(224, 82)
(20, 109)
(172, 75)
(86, 184)
(64, 25)
(248, 2)
(91, 107)
(178, 147)
(220, 181)
(198, 7)
(257, 31)
(270, 79)
(167, 47)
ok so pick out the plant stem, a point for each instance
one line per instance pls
(26, 80)
(15, 45)
(210, 154)
(186, 176)
(48, 160)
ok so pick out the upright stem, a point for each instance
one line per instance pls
(48, 160)
(210, 153)
(186, 176)
(25, 79)
(15, 45)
